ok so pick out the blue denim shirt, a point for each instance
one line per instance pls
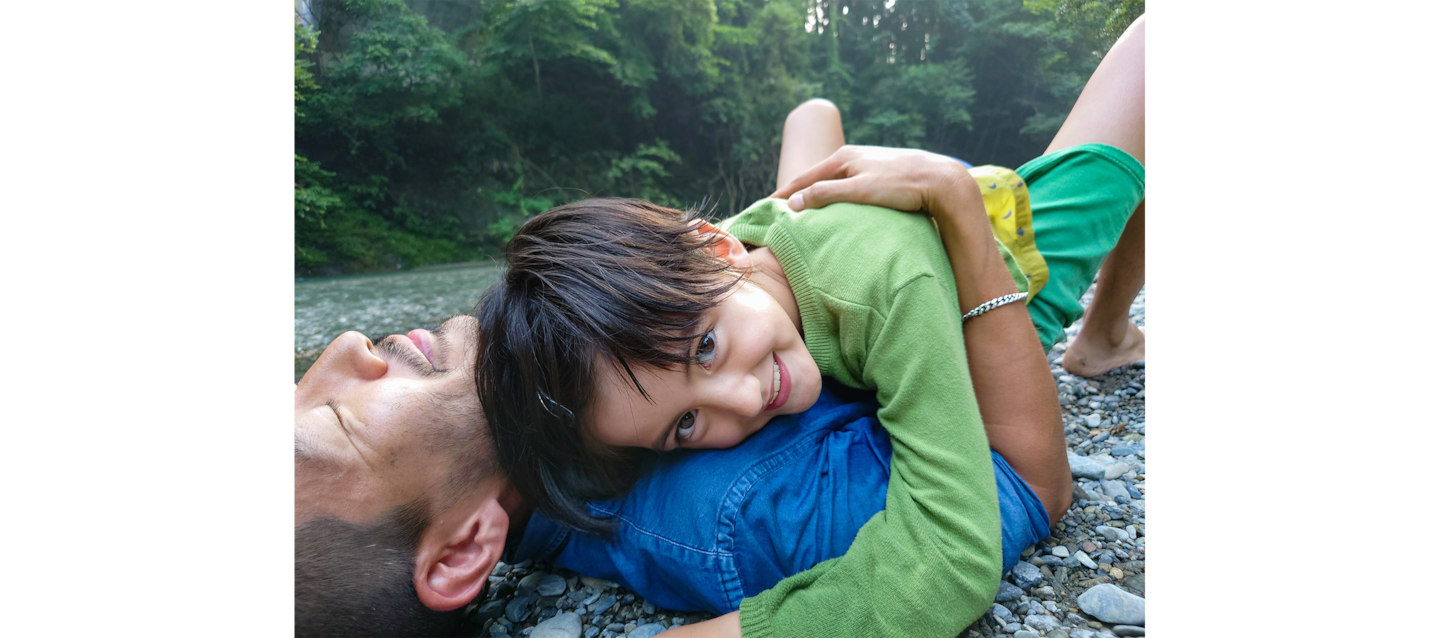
(704, 529)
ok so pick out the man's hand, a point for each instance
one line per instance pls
(899, 179)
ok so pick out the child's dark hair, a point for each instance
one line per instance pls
(617, 282)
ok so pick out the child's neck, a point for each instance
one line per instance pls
(766, 273)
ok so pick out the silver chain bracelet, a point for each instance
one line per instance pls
(993, 304)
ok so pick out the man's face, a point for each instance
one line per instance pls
(373, 421)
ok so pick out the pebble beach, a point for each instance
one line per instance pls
(1086, 581)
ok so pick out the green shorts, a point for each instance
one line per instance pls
(1081, 198)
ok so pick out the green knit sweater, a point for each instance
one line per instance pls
(879, 311)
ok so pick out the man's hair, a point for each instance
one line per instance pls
(617, 282)
(354, 579)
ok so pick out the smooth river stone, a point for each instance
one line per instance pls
(566, 625)
(1111, 604)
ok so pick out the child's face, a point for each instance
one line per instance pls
(754, 366)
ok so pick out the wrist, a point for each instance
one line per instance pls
(980, 272)
(955, 202)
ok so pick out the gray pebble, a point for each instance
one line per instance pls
(529, 583)
(1025, 575)
(1086, 560)
(550, 585)
(499, 630)
(1060, 550)
(1136, 584)
(615, 627)
(1051, 560)
(566, 625)
(1113, 605)
(647, 630)
(592, 632)
(1114, 489)
(1083, 467)
(1117, 470)
(1042, 622)
(1021, 633)
(603, 605)
(593, 597)
(597, 583)
(1111, 534)
(1008, 592)
(1128, 630)
(518, 609)
(1000, 612)
(647, 608)
(1014, 628)
(1092, 419)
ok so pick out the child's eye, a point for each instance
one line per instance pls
(686, 427)
(705, 352)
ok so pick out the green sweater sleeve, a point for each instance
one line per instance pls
(929, 564)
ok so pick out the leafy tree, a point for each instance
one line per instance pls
(426, 130)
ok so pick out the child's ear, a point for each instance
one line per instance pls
(729, 248)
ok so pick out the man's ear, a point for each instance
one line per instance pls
(727, 247)
(457, 552)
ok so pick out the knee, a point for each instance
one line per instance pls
(1137, 27)
(813, 108)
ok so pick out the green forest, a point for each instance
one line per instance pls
(427, 130)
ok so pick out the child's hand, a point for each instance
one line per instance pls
(900, 179)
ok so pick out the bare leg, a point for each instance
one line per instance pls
(812, 133)
(1107, 338)
(1111, 110)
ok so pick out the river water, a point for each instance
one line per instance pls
(381, 305)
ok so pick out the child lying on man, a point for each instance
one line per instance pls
(623, 327)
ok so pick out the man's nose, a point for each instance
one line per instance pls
(350, 354)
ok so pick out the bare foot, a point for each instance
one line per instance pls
(1092, 356)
